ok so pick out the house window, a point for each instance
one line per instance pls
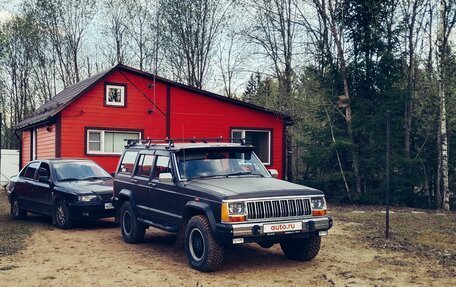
(115, 95)
(108, 142)
(260, 139)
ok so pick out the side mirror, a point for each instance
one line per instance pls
(165, 177)
(274, 173)
(44, 179)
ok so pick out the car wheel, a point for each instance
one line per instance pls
(16, 211)
(202, 250)
(62, 217)
(302, 249)
(132, 230)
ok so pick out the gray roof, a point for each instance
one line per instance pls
(51, 108)
(61, 100)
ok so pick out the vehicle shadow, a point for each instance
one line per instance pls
(41, 221)
(235, 257)
(105, 223)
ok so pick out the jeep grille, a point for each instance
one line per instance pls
(278, 208)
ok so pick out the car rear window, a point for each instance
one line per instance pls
(128, 162)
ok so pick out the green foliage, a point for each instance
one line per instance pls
(378, 83)
(261, 91)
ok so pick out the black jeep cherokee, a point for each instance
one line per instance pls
(218, 194)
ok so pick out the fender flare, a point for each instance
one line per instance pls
(204, 208)
(128, 194)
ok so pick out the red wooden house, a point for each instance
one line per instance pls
(92, 118)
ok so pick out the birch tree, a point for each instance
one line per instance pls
(447, 19)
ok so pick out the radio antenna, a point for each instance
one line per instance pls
(184, 166)
(155, 62)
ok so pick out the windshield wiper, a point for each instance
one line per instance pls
(206, 176)
(243, 173)
(95, 177)
(226, 175)
(70, 179)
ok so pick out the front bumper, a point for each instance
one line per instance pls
(81, 211)
(255, 231)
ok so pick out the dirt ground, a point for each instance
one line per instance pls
(95, 255)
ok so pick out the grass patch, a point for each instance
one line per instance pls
(14, 233)
(425, 234)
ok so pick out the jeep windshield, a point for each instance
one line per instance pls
(219, 162)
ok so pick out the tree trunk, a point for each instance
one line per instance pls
(443, 144)
(438, 177)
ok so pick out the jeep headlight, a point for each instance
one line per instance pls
(87, 198)
(233, 211)
(236, 208)
(318, 206)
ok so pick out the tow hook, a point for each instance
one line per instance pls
(256, 230)
(311, 225)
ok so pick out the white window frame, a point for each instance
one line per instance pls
(34, 144)
(102, 140)
(242, 131)
(122, 95)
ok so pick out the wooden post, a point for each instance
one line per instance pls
(387, 191)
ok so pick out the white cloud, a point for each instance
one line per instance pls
(5, 16)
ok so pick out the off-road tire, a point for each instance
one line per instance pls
(62, 218)
(301, 249)
(16, 211)
(212, 252)
(132, 230)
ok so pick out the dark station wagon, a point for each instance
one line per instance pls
(215, 194)
(69, 190)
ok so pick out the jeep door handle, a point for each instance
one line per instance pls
(133, 180)
(151, 183)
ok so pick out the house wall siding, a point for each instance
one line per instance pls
(45, 142)
(26, 146)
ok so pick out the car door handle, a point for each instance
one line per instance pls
(134, 180)
(151, 184)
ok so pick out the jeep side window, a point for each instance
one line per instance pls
(163, 165)
(128, 162)
(144, 165)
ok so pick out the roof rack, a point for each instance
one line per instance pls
(152, 142)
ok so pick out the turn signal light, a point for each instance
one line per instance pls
(320, 212)
(225, 213)
(237, 218)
